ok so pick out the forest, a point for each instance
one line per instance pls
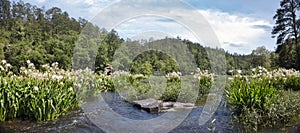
(45, 36)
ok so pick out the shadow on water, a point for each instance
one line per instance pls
(77, 122)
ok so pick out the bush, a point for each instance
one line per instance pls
(256, 102)
(253, 94)
(292, 83)
(205, 83)
(48, 94)
(172, 90)
(35, 99)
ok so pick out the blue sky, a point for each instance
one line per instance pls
(240, 25)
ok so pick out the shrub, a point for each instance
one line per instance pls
(292, 83)
(172, 90)
(251, 94)
(205, 83)
(35, 99)
(45, 95)
(262, 101)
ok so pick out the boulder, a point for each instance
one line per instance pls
(155, 106)
(150, 105)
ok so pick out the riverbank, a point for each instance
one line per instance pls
(76, 121)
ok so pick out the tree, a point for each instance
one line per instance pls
(286, 21)
(287, 55)
(287, 29)
(261, 57)
(4, 13)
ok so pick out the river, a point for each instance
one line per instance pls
(77, 121)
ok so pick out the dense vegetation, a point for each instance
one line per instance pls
(45, 36)
(32, 36)
(264, 98)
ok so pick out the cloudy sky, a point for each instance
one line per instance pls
(240, 25)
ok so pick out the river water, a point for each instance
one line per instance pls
(77, 121)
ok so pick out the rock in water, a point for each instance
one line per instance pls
(155, 106)
(150, 105)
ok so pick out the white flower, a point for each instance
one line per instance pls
(30, 65)
(239, 71)
(8, 65)
(3, 61)
(259, 67)
(70, 89)
(35, 88)
(57, 77)
(55, 64)
(28, 61)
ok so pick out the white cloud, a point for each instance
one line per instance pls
(40, 1)
(236, 33)
(239, 33)
(155, 26)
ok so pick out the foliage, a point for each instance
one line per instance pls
(264, 97)
(251, 93)
(165, 88)
(36, 96)
(286, 30)
(292, 83)
(46, 94)
(205, 81)
(104, 83)
(287, 26)
(261, 57)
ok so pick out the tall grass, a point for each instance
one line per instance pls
(46, 94)
(35, 99)
(265, 98)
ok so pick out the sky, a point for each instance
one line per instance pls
(239, 25)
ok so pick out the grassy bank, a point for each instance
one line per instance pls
(265, 98)
(42, 95)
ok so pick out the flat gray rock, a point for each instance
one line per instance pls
(155, 106)
(150, 105)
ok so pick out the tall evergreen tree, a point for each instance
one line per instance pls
(287, 29)
(286, 21)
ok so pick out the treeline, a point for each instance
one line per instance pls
(41, 36)
(28, 32)
(50, 35)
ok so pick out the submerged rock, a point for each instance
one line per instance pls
(150, 105)
(155, 106)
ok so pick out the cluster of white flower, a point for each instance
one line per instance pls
(173, 75)
(51, 72)
(261, 72)
(203, 73)
(237, 72)
(276, 73)
(5, 67)
(285, 72)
